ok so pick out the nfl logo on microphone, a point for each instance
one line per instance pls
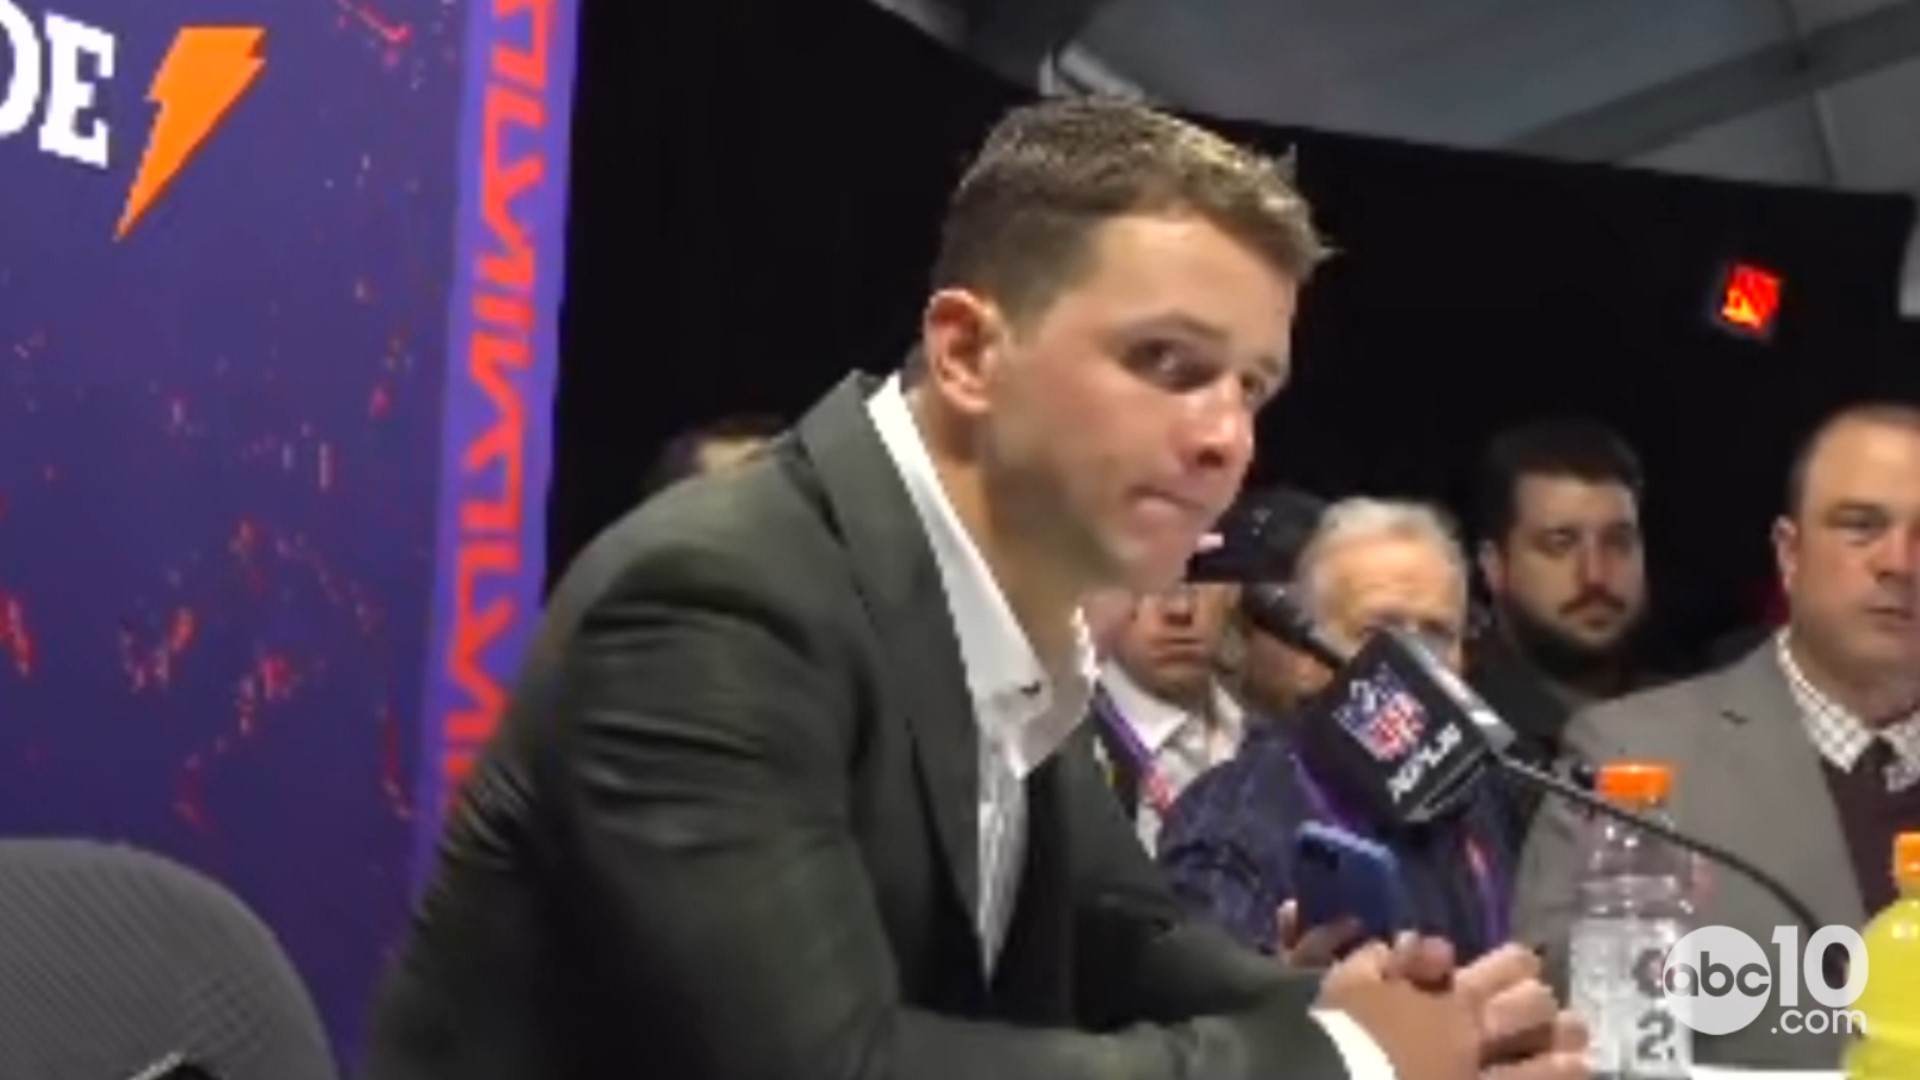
(1383, 715)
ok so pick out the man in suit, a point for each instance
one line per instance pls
(796, 785)
(1161, 714)
(1560, 552)
(1803, 757)
(1151, 751)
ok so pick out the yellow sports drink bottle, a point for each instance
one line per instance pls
(1890, 1049)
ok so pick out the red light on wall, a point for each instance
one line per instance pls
(1749, 301)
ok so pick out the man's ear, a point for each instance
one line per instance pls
(961, 335)
(1493, 567)
(1786, 550)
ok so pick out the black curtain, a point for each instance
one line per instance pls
(756, 186)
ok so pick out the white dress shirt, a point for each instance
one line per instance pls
(1180, 743)
(1024, 712)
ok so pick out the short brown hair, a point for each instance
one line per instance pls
(1872, 413)
(1019, 223)
(679, 459)
(1571, 447)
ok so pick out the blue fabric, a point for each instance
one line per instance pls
(1227, 846)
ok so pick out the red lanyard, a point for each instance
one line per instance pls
(1153, 784)
(1493, 908)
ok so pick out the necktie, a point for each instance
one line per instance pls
(1880, 762)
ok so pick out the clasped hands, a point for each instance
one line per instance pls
(1493, 1019)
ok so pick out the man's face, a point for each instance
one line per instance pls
(1275, 675)
(1117, 426)
(1847, 556)
(1388, 581)
(1170, 643)
(1570, 574)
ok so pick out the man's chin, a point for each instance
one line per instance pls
(1184, 685)
(1566, 652)
(1145, 573)
(1596, 644)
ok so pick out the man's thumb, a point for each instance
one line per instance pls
(1287, 923)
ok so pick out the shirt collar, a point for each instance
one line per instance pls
(1155, 720)
(1839, 734)
(1009, 686)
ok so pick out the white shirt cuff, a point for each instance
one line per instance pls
(1363, 1056)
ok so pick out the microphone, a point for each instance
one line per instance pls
(1408, 738)
(1401, 762)
(1457, 695)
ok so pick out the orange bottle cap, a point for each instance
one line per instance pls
(1635, 781)
(1906, 856)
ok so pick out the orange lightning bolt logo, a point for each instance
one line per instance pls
(204, 74)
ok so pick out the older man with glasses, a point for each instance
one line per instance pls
(1228, 842)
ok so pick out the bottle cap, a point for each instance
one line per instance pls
(1906, 857)
(1635, 781)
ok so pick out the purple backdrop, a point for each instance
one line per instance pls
(501, 360)
(223, 512)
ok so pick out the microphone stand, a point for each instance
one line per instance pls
(1541, 780)
(1274, 609)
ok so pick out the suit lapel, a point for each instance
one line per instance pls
(1769, 795)
(899, 583)
(1032, 980)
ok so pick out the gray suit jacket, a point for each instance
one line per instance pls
(1747, 777)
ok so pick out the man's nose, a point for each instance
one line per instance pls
(1220, 430)
(1177, 605)
(1591, 563)
(1899, 557)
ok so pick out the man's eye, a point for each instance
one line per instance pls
(1258, 388)
(1559, 543)
(1169, 365)
(1862, 527)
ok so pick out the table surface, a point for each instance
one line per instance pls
(1727, 1073)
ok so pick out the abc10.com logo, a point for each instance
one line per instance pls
(1718, 980)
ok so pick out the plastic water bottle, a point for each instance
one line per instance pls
(1890, 1049)
(1635, 903)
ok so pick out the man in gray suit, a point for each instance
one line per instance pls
(1803, 757)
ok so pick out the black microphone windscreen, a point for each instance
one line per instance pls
(1393, 740)
(1493, 730)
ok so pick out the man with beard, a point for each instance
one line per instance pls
(1561, 556)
